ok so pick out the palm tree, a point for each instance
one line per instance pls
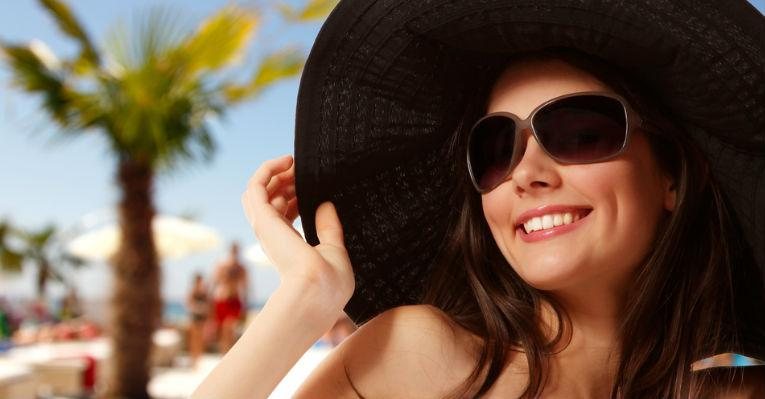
(151, 99)
(11, 257)
(37, 249)
(42, 249)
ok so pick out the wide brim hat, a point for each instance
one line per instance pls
(385, 82)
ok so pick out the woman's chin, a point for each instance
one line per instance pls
(551, 277)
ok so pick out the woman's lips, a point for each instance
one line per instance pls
(551, 232)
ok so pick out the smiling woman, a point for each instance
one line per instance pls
(554, 188)
(625, 261)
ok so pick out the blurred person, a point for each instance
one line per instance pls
(70, 307)
(198, 305)
(36, 323)
(38, 312)
(65, 330)
(6, 319)
(5, 325)
(230, 297)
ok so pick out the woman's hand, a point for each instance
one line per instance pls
(316, 284)
(270, 205)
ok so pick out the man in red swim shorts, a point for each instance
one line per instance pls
(230, 297)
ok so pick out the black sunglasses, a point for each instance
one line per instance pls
(575, 128)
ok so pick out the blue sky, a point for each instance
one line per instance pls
(46, 180)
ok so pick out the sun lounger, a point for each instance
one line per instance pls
(16, 381)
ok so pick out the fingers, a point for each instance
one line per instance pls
(271, 205)
(272, 184)
(281, 179)
(280, 199)
(267, 211)
(262, 177)
(281, 242)
(328, 227)
(292, 210)
(281, 190)
(286, 191)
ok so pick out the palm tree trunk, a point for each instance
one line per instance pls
(136, 298)
(43, 272)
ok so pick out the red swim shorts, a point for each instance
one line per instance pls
(230, 308)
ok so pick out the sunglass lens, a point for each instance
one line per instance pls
(490, 150)
(582, 129)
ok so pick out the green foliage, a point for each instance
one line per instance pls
(218, 42)
(32, 74)
(273, 67)
(69, 25)
(11, 258)
(312, 11)
(146, 39)
(152, 90)
(41, 249)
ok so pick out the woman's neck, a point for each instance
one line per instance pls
(585, 363)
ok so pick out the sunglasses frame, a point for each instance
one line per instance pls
(632, 121)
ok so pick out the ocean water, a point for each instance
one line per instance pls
(175, 312)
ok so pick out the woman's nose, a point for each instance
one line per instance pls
(535, 172)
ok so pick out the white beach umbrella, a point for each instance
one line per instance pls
(174, 238)
(255, 254)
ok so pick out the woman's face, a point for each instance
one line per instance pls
(618, 203)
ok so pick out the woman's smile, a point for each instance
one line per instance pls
(550, 221)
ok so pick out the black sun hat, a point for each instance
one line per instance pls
(386, 81)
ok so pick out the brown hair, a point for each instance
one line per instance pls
(685, 284)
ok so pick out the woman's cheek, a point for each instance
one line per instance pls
(497, 210)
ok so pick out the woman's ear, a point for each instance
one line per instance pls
(670, 194)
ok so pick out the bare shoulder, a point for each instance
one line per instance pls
(405, 352)
(410, 351)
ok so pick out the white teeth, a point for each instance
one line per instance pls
(549, 221)
(557, 219)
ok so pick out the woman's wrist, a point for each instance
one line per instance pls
(310, 302)
(317, 294)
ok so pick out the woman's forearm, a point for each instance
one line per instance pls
(282, 332)
(317, 282)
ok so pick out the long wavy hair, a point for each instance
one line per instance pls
(681, 307)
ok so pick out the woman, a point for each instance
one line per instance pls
(603, 266)
(198, 306)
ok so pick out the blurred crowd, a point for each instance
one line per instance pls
(33, 321)
(216, 307)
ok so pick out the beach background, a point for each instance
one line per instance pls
(45, 179)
